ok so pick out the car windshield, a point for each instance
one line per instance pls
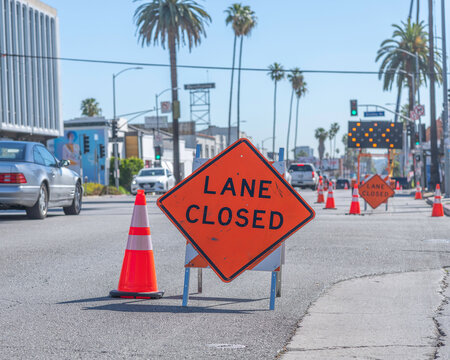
(152, 172)
(12, 152)
(301, 167)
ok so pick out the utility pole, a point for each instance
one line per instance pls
(445, 112)
(434, 171)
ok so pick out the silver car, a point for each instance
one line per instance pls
(31, 178)
(153, 180)
(304, 175)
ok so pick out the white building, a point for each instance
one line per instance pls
(30, 106)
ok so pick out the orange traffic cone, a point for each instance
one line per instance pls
(346, 186)
(438, 209)
(418, 195)
(320, 198)
(398, 186)
(354, 207)
(138, 276)
(330, 198)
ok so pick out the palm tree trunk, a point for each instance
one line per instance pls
(174, 82)
(231, 93)
(274, 119)
(296, 127)
(411, 108)
(397, 106)
(289, 126)
(239, 91)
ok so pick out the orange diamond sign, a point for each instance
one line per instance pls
(235, 209)
(375, 191)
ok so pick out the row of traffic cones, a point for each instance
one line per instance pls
(355, 209)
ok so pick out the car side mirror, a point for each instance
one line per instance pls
(290, 171)
(64, 163)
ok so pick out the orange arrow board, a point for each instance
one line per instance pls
(375, 191)
(236, 209)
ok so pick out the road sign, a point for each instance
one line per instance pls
(166, 107)
(419, 110)
(373, 113)
(375, 135)
(413, 115)
(235, 210)
(375, 191)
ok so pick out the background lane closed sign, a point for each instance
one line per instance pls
(236, 209)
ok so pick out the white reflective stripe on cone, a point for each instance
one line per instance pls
(140, 216)
(139, 242)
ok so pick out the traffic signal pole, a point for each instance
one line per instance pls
(114, 136)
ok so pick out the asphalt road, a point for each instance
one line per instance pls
(56, 274)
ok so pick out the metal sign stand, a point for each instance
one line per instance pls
(273, 261)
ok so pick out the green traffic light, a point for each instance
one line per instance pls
(353, 112)
(158, 157)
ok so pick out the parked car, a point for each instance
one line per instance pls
(153, 180)
(304, 175)
(340, 184)
(32, 179)
(403, 182)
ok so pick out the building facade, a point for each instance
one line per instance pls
(30, 107)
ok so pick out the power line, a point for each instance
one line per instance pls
(201, 67)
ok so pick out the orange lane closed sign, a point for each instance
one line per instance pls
(375, 191)
(235, 209)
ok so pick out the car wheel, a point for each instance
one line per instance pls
(39, 210)
(75, 207)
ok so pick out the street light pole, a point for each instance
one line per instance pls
(114, 121)
(445, 112)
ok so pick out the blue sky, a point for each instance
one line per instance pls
(326, 34)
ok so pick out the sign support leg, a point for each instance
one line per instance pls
(278, 273)
(273, 285)
(186, 286)
(199, 280)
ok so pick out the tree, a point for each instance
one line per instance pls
(321, 135)
(334, 129)
(172, 23)
(294, 78)
(90, 107)
(276, 73)
(301, 91)
(242, 20)
(396, 64)
(350, 155)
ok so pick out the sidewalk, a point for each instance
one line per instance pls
(389, 316)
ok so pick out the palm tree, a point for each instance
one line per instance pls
(301, 91)
(242, 20)
(321, 134)
(172, 23)
(413, 38)
(334, 129)
(276, 73)
(294, 78)
(90, 107)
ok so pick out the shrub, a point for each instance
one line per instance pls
(93, 189)
(112, 190)
(128, 168)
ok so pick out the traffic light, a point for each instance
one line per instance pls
(423, 133)
(102, 150)
(158, 153)
(114, 129)
(353, 107)
(85, 144)
(409, 128)
(416, 138)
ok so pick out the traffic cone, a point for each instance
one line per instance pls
(398, 186)
(330, 198)
(320, 198)
(138, 276)
(418, 195)
(354, 207)
(346, 186)
(438, 209)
